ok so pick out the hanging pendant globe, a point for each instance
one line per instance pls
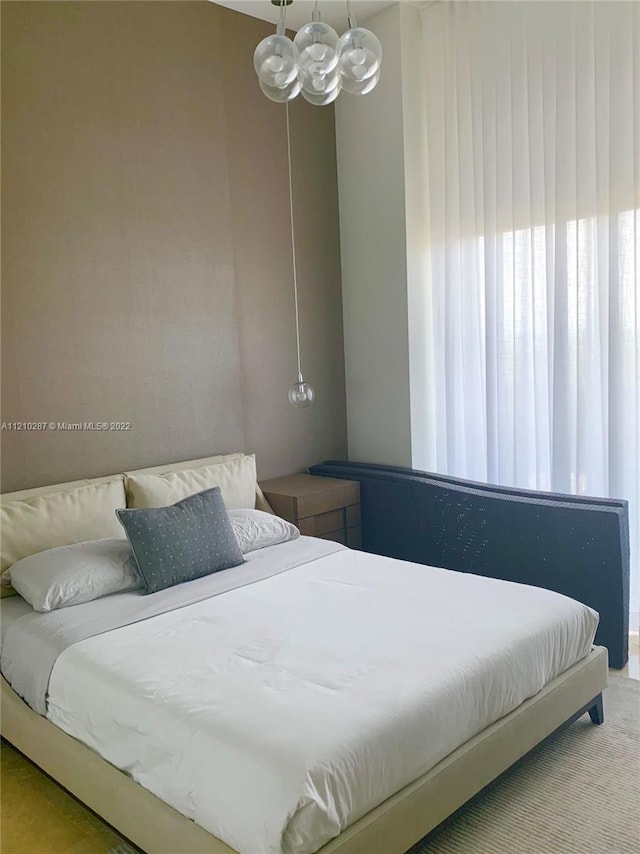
(276, 61)
(281, 96)
(301, 394)
(360, 54)
(317, 44)
(321, 99)
(360, 87)
(317, 84)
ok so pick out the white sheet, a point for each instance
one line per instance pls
(32, 642)
(276, 714)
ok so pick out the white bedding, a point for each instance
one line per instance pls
(278, 713)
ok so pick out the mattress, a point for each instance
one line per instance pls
(277, 712)
(280, 701)
(32, 641)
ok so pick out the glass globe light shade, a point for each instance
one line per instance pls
(276, 61)
(301, 394)
(316, 84)
(318, 47)
(321, 99)
(281, 96)
(360, 53)
(360, 87)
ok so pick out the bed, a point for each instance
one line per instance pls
(306, 678)
(577, 545)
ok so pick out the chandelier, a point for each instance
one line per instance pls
(318, 63)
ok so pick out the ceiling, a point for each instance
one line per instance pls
(333, 12)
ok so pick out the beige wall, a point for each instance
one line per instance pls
(146, 252)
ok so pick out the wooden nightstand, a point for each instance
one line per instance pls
(320, 506)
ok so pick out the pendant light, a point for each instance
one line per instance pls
(360, 57)
(317, 63)
(276, 62)
(301, 394)
(318, 57)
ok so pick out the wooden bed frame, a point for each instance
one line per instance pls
(391, 828)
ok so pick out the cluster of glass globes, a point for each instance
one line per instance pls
(318, 64)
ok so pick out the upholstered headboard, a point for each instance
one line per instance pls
(61, 514)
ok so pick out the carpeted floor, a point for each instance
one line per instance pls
(578, 794)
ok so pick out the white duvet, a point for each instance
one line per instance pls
(278, 713)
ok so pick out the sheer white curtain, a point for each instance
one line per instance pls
(533, 136)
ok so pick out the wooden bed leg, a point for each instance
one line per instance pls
(596, 712)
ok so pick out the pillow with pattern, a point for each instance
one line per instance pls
(181, 542)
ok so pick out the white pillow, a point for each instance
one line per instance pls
(39, 519)
(70, 575)
(255, 529)
(235, 477)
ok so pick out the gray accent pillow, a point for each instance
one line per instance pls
(184, 541)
